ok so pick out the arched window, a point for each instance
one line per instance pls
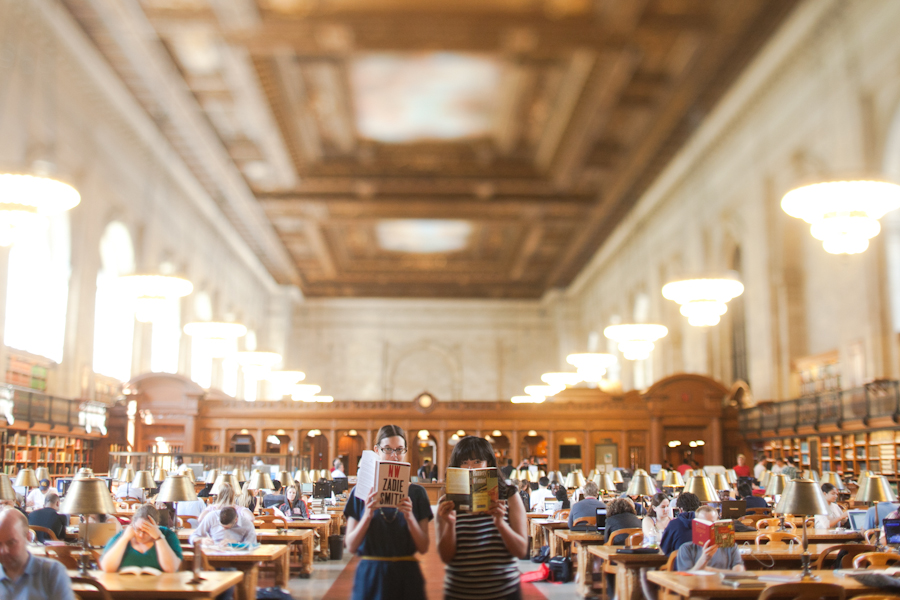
(38, 291)
(113, 311)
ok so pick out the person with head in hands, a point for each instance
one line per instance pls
(36, 497)
(23, 576)
(387, 538)
(49, 518)
(679, 530)
(481, 549)
(708, 557)
(143, 544)
(587, 507)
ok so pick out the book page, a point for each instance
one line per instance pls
(365, 475)
(484, 489)
(393, 482)
(458, 486)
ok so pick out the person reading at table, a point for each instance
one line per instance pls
(387, 539)
(620, 514)
(225, 527)
(708, 557)
(745, 492)
(836, 515)
(679, 529)
(49, 518)
(143, 544)
(587, 507)
(656, 522)
(23, 576)
(247, 498)
(294, 506)
(542, 493)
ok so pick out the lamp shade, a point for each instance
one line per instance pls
(239, 474)
(606, 482)
(810, 474)
(641, 484)
(802, 497)
(220, 481)
(260, 481)
(570, 481)
(87, 496)
(617, 476)
(211, 476)
(862, 481)
(285, 478)
(661, 475)
(84, 472)
(777, 485)
(720, 482)
(766, 476)
(673, 480)
(190, 475)
(834, 479)
(42, 473)
(26, 478)
(688, 474)
(514, 474)
(702, 487)
(176, 488)
(326, 475)
(126, 475)
(143, 480)
(6, 490)
(877, 489)
(303, 476)
(731, 477)
(159, 474)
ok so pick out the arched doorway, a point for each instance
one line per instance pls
(349, 449)
(423, 448)
(534, 449)
(277, 443)
(315, 451)
(242, 442)
(501, 445)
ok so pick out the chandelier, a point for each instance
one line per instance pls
(282, 382)
(703, 300)
(635, 340)
(305, 391)
(27, 201)
(843, 214)
(219, 338)
(257, 364)
(561, 380)
(153, 292)
(591, 366)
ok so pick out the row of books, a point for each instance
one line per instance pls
(44, 441)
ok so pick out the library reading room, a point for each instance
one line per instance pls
(449, 299)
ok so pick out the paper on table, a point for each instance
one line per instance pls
(365, 475)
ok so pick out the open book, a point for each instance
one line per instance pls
(472, 490)
(389, 478)
(139, 571)
(721, 532)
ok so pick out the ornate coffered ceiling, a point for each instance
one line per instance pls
(449, 148)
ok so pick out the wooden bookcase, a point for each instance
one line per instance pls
(25, 371)
(61, 454)
(847, 454)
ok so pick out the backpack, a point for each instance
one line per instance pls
(542, 556)
(272, 593)
(560, 569)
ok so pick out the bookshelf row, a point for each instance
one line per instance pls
(62, 455)
(848, 454)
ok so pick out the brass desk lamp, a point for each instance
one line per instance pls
(803, 497)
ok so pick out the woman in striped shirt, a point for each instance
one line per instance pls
(480, 549)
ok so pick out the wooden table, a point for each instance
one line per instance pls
(816, 536)
(167, 585)
(561, 537)
(533, 530)
(542, 531)
(684, 585)
(273, 536)
(248, 563)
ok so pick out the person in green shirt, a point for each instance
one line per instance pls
(143, 544)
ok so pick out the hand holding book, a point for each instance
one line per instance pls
(709, 548)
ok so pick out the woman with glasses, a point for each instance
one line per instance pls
(387, 539)
(480, 549)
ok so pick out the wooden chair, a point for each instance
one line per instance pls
(104, 593)
(670, 564)
(777, 536)
(187, 519)
(635, 539)
(562, 515)
(589, 521)
(268, 522)
(759, 511)
(620, 532)
(747, 521)
(128, 503)
(827, 557)
(804, 591)
(270, 512)
(871, 535)
(773, 524)
(875, 560)
(48, 532)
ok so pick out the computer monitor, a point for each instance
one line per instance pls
(601, 520)
(339, 485)
(322, 489)
(734, 509)
(857, 520)
(892, 531)
(62, 485)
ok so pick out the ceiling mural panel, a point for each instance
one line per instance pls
(452, 148)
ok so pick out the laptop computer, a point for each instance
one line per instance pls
(601, 520)
(892, 531)
(734, 509)
(552, 505)
(857, 519)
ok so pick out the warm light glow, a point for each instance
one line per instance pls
(700, 443)
(527, 399)
(561, 380)
(591, 366)
(352, 433)
(843, 214)
(423, 434)
(703, 300)
(674, 444)
(26, 201)
(153, 293)
(282, 382)
(304, 391)
(496, 433)
(635, 341)
(219, 339)
(257, 364)
(542, 390)
(692, 444)
(323, 398)
(460, 432)
(532, 433)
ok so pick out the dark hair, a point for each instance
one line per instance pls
(276, 485)
(827, 487)
(688, 502)
(657, 499)
(227, 515)
(508, 462)
(744, 489)
(476, 448)
(619, 506)
(543, 482)
(390, 431)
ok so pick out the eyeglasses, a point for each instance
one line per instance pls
(395, 451)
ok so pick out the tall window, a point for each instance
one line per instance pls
(165, 339)
(113, 311)
(38, 291)
(738, 328)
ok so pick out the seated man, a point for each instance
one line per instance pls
(23, 576)
(226, 527)
(539, 495)
(708, 557)
(587, 507)
(37, 496)
(126, 490)
(745, 492)
(276, 498)
(50, 518)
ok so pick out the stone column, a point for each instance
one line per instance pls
(587, 459)
(332, 447)
(260, 441)
(713, 454)
(514, 448)
(551, 452)
(442, 451)
(655, 443)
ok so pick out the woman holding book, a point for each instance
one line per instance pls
(480, 549)
(294, 506)
(143, 544)
(386, 538)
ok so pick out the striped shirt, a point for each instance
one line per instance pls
(483, 569)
